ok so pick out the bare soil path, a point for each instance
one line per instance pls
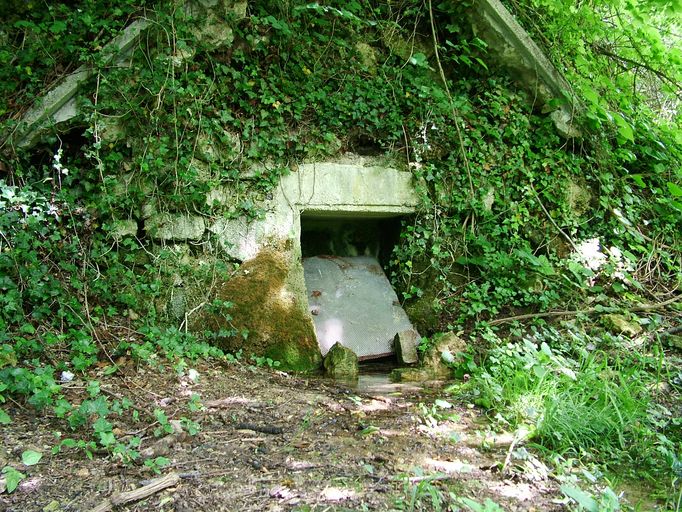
(274, 442)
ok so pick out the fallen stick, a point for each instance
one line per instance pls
(590, 311)
(264, 429)
(154, 486)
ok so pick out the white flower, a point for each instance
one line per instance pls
(589, 254)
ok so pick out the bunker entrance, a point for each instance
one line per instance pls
(349, 296)
(347, 236)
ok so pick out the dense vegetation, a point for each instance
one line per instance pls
(509, 208)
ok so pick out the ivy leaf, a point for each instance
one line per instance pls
(4, 418)
(419, 60)
(31, 457)
(674, 189)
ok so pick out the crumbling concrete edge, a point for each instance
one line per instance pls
(61, 96)
(500, 21)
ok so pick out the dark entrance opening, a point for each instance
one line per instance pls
(357, 234)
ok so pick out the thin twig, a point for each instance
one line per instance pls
(520, 435)
(589, 311)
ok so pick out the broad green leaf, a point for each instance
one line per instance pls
(591, 95)
(4, 418)
(12, 478)
(101, 425)
(443, 404)
(676, 204)
(625, 130)
(581, 497)
(107, 439)
(31, 457)
(674, 189)
(637, 178)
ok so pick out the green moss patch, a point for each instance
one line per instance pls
(278, 325)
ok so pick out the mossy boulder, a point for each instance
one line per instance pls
(341, 362)
(621, 324)
(278, 324)
(443, 353)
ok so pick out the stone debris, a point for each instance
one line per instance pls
(405, 345)
(341, 362)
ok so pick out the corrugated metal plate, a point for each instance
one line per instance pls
(352, 301)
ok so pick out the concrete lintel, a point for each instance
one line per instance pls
(356, 211)
(342, 185)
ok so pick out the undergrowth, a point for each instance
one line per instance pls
(508, 207)
(582, 399)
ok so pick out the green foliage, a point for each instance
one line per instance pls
(497, 220)
(42, 41)
(31, 457)
(623, 60)
(487, 506)
(261, 361)
(157, 463)
(12, 478)
(607, 502)
(580, 401)
(422, 495)
(575, 404)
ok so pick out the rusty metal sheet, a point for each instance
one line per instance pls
(352, 301)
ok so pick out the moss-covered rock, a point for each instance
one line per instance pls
(278, 326)
(341, 362)
(620, 324)
(442, 353)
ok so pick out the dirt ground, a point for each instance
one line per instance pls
(273, 442)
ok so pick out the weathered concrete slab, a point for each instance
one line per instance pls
(59, 104)
(351, 185)
(353, 303)
(354, 186)
(511, 46)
